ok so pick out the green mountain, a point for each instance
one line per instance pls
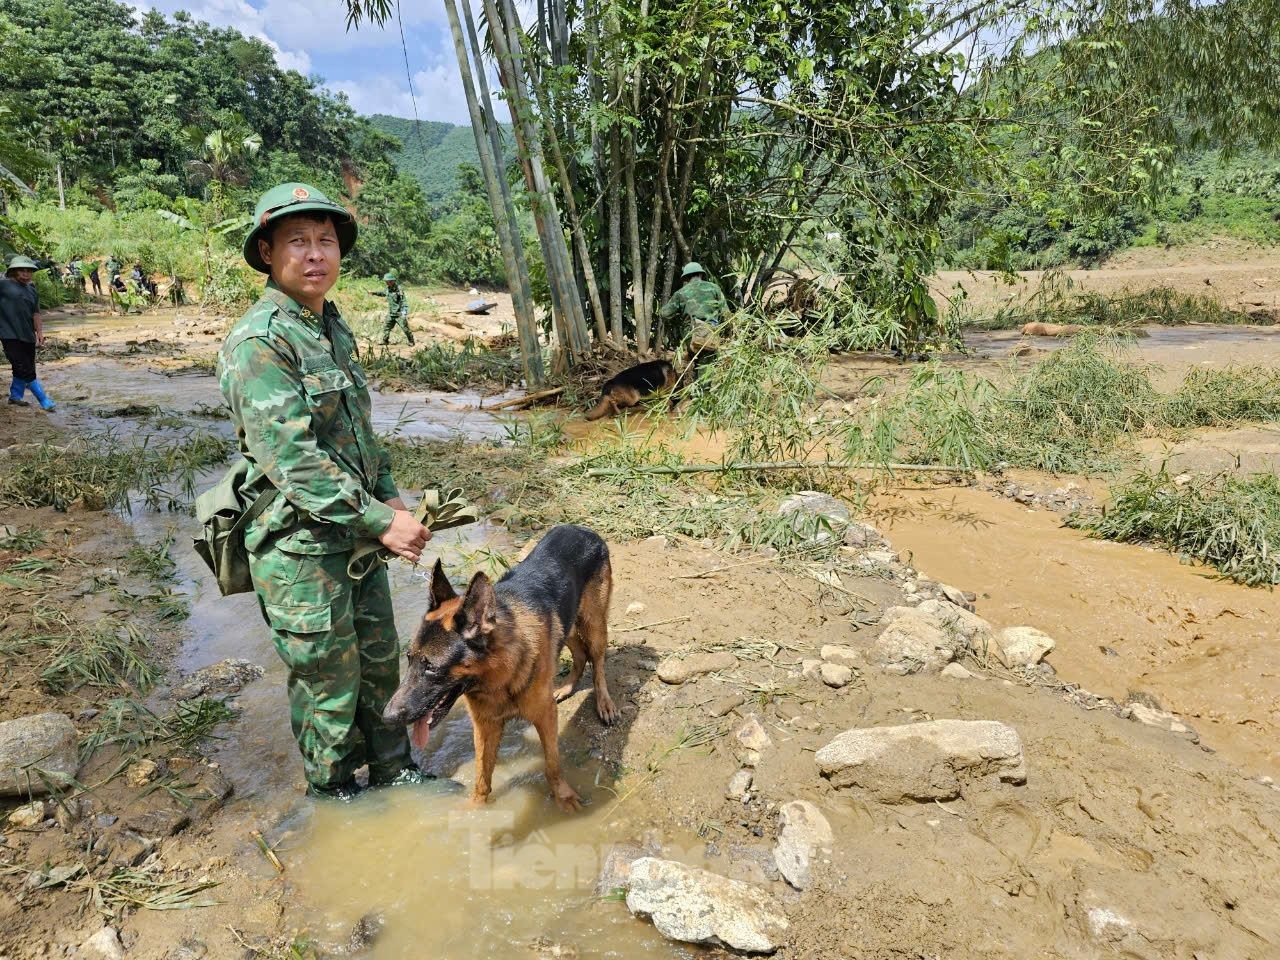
(431, 152)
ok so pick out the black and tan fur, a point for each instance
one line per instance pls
(628, 388)
(497, 647)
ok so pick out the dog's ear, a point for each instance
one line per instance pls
(441, 588)
(479, 612)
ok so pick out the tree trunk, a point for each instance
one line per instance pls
(512, 254)
(62, 194)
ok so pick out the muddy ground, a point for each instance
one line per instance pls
(1124, 840)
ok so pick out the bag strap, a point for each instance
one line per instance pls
(436, 511)
(260, 504)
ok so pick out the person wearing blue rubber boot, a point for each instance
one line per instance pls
(22, 330)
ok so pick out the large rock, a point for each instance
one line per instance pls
(677, 670)
(44, 743)
(977, 634)
(914, 642)
(696, 906)
(816, 505)
(1022, 646)
(836, 675)
(805, 833)
(923, 761)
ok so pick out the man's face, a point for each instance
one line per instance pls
(303, 256)
(22, 275)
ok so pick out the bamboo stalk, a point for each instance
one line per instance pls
(684, 468)
(517, 403)
(503, 217)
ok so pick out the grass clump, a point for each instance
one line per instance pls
(1230, 522)
(103, 471)
(1210, 398)
(443, 366)
(1056, 302)
(100, 657)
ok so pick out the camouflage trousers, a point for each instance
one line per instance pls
(338, 639)
(394, 319)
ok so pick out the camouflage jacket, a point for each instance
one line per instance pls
(698, 300)
(397, 302)
(300, 404)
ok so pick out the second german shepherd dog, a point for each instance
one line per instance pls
(628, 388)
(497, 646)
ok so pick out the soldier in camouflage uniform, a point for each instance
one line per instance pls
(301, 409)
(397, 309)
(702, 304)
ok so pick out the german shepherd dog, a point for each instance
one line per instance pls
(628, 388)
(497, 646)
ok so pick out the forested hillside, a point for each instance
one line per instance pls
(150, 137)
(1204, 195)
(432, 153)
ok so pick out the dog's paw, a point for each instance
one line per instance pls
(563, 692)
(567, 798)
(608, 712)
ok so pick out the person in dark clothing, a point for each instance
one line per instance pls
(22, 330)
(91, 271)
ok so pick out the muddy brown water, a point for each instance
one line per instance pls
(451, 883)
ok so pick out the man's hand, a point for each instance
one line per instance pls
(406, 536)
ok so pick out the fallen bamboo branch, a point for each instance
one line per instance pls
(773, 465)
(266, 850)
(519, 403)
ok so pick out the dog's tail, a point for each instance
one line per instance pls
(604, 408)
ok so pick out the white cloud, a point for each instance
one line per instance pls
(320, 26)
(438, 90)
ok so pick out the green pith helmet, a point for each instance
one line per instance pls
(286, 200)
(692, 269)
(389, 276)
(22, 263)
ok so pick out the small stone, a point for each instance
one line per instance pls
(956, 672)
(634, 608)
(804, 833)
(910, 588)
(28, 815)
(130, 849)
(837, 653)
(226, 676)
(365, 933)
(697, 906)
(103, 945)
(141, 772)
(958, 597)
(836, 675)
(1153, 717)
(188, 948)
(751, 741)
(726, 705)
(678, 670)
(104, 821)
(914, 642)
(740, 786)
(1022, 646)
(811, 669)
(544, 948)
(160, 822)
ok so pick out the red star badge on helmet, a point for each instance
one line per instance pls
(300, 193)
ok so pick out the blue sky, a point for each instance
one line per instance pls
(367, 64)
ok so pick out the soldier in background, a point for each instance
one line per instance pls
(397, 308)
(701, 302)
(91, 271)
(302, 412)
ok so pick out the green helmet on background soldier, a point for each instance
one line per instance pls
(390, 277)
(286, 200)
(692, 269)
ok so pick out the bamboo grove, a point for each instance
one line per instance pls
(824, 138)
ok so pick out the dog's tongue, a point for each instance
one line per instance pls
(420, 733)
